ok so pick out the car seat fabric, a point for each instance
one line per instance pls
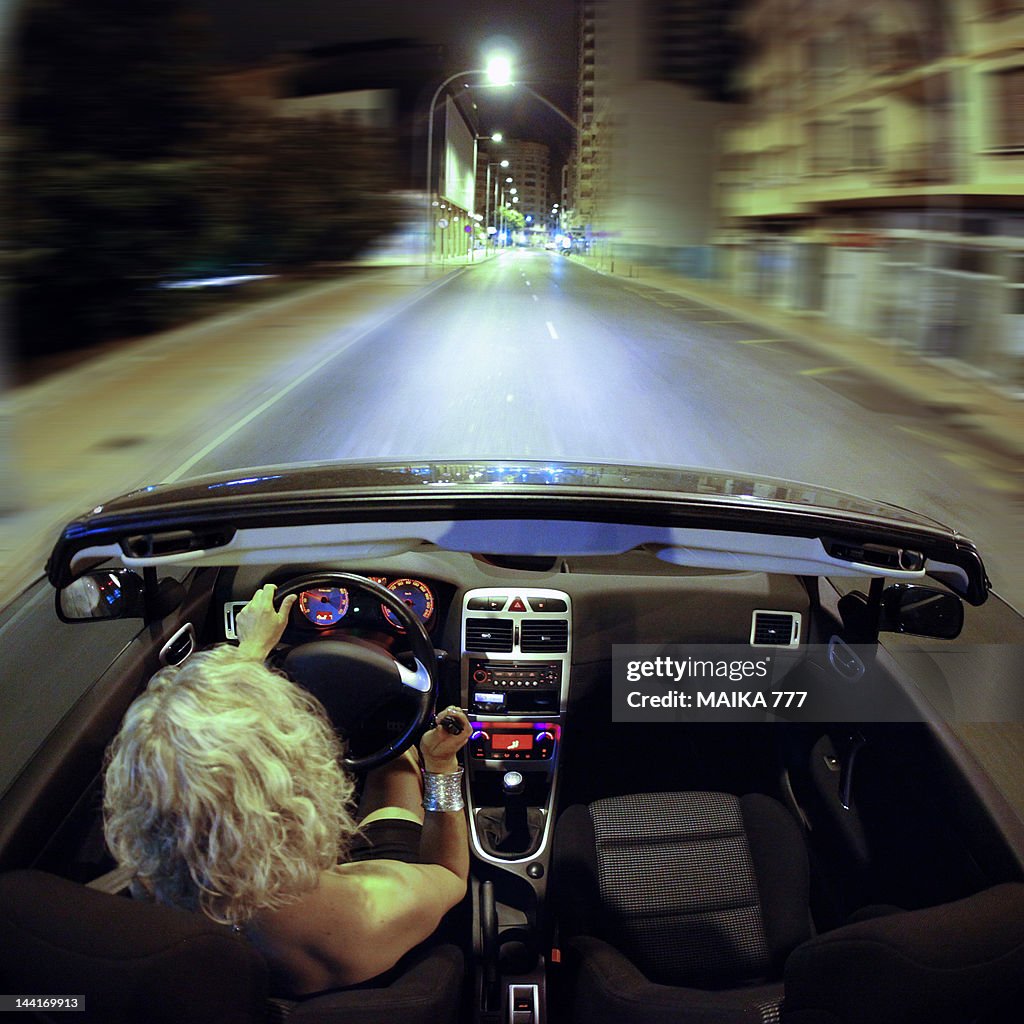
(694, 907)
(679, 876)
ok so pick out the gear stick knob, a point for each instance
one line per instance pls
(513, 784)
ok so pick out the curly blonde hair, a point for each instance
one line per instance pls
(223, 789)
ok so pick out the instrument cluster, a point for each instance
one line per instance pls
(330, 607)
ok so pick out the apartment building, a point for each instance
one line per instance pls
(878, 175)
(529, 167)
(652, 78)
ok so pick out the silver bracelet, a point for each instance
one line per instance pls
(442, 791)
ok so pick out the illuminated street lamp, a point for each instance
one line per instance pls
(487, 197)
(498, 72)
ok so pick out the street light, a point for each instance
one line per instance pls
(498, 72)
(487, 187)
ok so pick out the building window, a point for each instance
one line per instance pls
(827, 57)
(864, 148)
(829, 151)
(1009, 126)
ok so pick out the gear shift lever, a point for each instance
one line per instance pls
(513, 788)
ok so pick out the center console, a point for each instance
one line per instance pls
(515, 662)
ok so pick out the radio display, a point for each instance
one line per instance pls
(512, 741)
(489, 698)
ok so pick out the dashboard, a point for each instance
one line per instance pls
(326, 611)
(625, 599)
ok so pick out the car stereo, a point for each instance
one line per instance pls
(514, 687)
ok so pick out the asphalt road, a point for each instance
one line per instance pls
(533, 356)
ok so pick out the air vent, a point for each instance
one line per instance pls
(775, 629)
(544, 637)
(489, 635)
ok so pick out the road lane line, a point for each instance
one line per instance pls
(758, 341)
(551, 330)
(820, 371)
(225, 435)
(987, 471)
(535, 299)
(980, 471)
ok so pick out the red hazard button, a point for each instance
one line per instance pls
(517, 605)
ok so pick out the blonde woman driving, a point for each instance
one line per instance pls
(224, 795)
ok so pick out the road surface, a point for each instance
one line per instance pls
(532, 356)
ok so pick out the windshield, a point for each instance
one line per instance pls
(758, 238)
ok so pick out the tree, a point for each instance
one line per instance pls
(513, 218)
(126, 171)
(294, 190)
(108, 102)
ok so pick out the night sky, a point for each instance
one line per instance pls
(538, 34)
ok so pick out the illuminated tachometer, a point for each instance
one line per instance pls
(416, 595)
(325, 606)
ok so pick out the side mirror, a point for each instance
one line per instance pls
(103, 594)
(921, 611)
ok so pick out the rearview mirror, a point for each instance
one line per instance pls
(105, 594)
(921, 611)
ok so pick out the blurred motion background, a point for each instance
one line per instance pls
(857, 165)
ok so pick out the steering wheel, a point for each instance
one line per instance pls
(353, 681)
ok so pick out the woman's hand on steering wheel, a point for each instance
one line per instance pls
(354, 681)
(259, 625)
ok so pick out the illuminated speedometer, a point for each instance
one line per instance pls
(416, 594)
(325, 606)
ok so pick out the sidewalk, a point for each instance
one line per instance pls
(989, 417)
(134, 414)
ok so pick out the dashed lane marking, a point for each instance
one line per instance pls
(990, 474)
(758, 341)
(551, 330)
(820, 371)
(535, 299)
(924, 435)
(981, 471)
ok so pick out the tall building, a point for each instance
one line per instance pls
(652, 78)
(878, 176)
(529, 167)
